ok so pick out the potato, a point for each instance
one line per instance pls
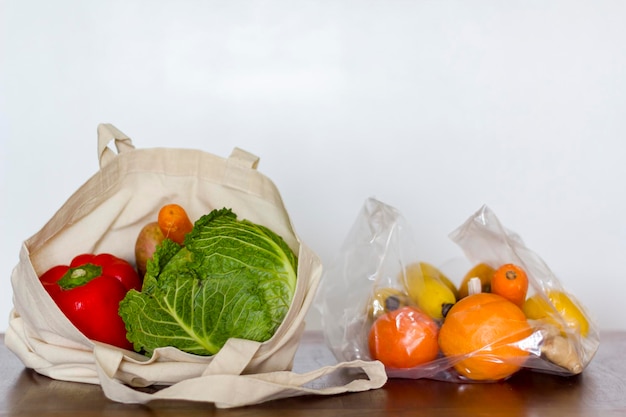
(147, 240)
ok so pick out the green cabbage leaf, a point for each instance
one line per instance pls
(231, 278)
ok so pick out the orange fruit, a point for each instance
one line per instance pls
(478, 336)
(482, 271)
(403, 338)
(511, 282)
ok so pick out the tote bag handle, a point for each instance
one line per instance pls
(107, 133)
(223, 384)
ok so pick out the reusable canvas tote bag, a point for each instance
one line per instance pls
(105, 215)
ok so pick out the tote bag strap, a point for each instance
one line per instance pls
(227, 390)
(106, 134)
(237, 171)
(244, 159)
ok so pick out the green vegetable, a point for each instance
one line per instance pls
(230, 279)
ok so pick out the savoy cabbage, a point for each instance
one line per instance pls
(231, 278)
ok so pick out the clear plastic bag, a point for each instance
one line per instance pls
(380, 300)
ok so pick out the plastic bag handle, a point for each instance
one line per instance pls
(107, 133)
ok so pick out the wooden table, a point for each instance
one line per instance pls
(599, 392)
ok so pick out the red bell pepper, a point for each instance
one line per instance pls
(88, 292)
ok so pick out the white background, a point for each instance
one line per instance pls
(434, 107)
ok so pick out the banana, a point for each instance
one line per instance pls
(561, 311)
(432, 291)
(430, 270)
(384, 300)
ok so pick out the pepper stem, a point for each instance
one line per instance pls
(80, 275)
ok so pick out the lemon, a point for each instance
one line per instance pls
(571, 315)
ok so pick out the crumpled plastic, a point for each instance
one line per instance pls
(377, 252)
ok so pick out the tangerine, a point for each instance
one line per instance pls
(404, 338)
(480, 334)
(511, 282)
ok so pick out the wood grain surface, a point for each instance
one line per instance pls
(599, 391)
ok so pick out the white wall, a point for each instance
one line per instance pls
(434, 107)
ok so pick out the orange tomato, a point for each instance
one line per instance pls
(479, 335)
(174, 222)
(511, 282)
(403, 338)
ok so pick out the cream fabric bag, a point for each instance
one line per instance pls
(105, 215)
